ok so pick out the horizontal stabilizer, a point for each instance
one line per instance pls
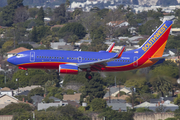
(158, 58)
(118, 55)
(110, 47)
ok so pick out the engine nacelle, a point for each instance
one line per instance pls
(68, 69)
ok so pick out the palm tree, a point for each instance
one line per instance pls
(162, 84)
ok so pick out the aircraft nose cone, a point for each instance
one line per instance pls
(10, 60)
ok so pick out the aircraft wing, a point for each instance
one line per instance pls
(101, 62)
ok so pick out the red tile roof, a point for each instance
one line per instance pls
(20, 49)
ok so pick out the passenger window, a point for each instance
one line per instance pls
(47, 57)
(54, 57)
(37, 56)
(62, 57)
(57, 57)
(42, 57)
(67, 58)
(50, 57)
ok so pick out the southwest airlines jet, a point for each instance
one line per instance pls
(71, 62)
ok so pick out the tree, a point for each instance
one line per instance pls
(9, 11)
(93, 88)
(33, 12)
(177, 100)
(15, 107)
(36, 91)
(59, 11)
(142, 109)
(98, 104)
(74, 28)
(21, 15)
(24, 79)
(34, 35)
(40, 18)
(26, 45)
(161, 84)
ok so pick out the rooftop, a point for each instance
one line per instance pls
(20, 49)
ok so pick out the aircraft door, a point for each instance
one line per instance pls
(32, 56)
(135, 63)
(79, 59)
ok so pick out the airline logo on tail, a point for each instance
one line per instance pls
(154, 37)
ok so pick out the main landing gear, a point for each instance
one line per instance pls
(88, 76)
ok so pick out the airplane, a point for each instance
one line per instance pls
(71, 62)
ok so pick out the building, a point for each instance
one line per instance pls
(37, 99)
(6, 100)
(75, 97)
(154, 106)
(118, 105)
(6, 91)
(118, 23)
(15, 51)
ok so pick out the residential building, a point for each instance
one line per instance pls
(113, 92)
(154, 106)
(75, 97)
(56, 100)
(41, 106)
(118, 105)
(15, 51)
(118, 23)
(44, 106)
(37, 99)
(87, 42)
(25, 90)
(6, 100)
(6, 91)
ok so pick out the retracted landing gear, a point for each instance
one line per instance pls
(88, 76)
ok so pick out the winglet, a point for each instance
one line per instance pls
(118, 55)
(110, 48)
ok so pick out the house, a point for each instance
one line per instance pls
(164, 18)
(56, 100)
(6, 91)
(79, 43)
(44, 106)
(118, 105)
(25, 90)
(15, 51)
(162, 99)
(37, 99)
(55, 45)
(153, 106)
(175, 31)
(6, 100)
(118, 23)
(41, 106)
(113, 91)
(75, 97)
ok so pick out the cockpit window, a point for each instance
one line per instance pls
(19, 55)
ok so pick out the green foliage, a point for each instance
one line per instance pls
(164, 68)
(94, 89)
(139, 83)
(70, 91)
(110, 114)
(173, 42)
(36, 91)
(74, 28)
(161, 84)
(48, 100)
(8, 45)
(98, 104)
(40, 18)
(23, 79)
(26, 45)
(142, 109)
(151, 25)
(171, 119)
(33, 12)
(1, 80)
(56, 92)
(177, 100)
(15, 107)
(177, 113)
